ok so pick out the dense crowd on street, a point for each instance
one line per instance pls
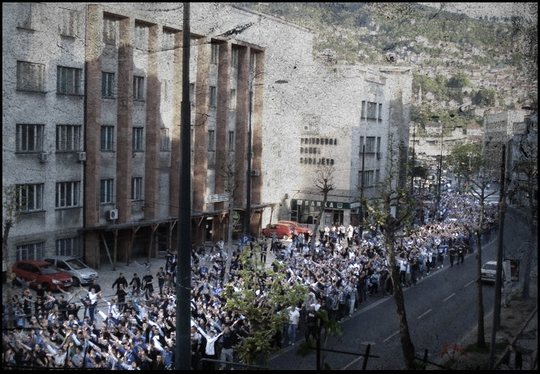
(131, 324)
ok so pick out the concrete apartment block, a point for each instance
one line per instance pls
(113, 71)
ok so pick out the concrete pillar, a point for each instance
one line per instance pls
(153, 123)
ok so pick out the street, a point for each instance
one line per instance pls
(440, 309)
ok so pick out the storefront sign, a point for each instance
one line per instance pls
(297, 203)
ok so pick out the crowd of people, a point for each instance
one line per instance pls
(134, 328)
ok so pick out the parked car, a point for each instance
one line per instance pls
(81, 273)
(297, 227)
(41, 272)
(488, 272)
(281, 230)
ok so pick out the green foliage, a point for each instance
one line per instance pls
(263, 297)
(484, 97)
(465, 159)
(460, 80)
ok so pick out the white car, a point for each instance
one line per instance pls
(81, 273)
(488, 272)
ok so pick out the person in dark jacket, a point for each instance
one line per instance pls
(135, 283)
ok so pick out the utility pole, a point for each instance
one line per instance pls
(362, 186)
(183, 278)
(498, 276)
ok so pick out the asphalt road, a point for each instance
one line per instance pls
(441, 309)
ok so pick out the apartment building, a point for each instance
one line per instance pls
(91, 125)
(355, 122)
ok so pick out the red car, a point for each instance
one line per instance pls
(281, 230)
(41, 272)
(298, 228)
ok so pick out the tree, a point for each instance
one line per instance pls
(262, 298)
(470, 163)
(460, 80)
(10, 217)
(324, 183)
(484, 97)
(461, 159)
(526, 183)
(380, 214)
(228, 172)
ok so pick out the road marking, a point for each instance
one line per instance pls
(391, 336)
(448, 297)
(423, 314)
(352, 362)
(468, 284)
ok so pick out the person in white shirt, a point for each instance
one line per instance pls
(294, 319)
(92, 303)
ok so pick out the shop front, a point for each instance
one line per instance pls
(307, 211)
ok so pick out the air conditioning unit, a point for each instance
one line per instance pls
(255, 173)
(43, 157)
(82, 156)
(111, 215)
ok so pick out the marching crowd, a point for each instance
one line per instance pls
(134, 329)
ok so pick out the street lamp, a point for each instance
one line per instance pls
(413, 159)
(439, 172)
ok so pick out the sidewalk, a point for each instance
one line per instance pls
(519, 324)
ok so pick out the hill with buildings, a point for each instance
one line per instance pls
(462, 65)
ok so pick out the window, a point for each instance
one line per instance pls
(137, 145)
(68, 81)
(67, 194)
(377, 176)
(368, 178)
(107, 138)
(167, 40)
(211, 140)
(30, 251)
(232, 99)
(109, 31)
(29, 197)
(141, 37)
(24, 15)
(107, 85)
(372, 110)
(67, 247)
(379, 114)
(370, 144)
(252, 62)
(136, 188)
(192, 93)
(234, 58)
(214, 55)
(165, 144)
(231, 140)
(69, 23)
(378, 144)
(363, 115)
(165, 88)
(30, 76)
(68, 138)
(29, 138)
(213, 96)
(138, 88)
(106, 192)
